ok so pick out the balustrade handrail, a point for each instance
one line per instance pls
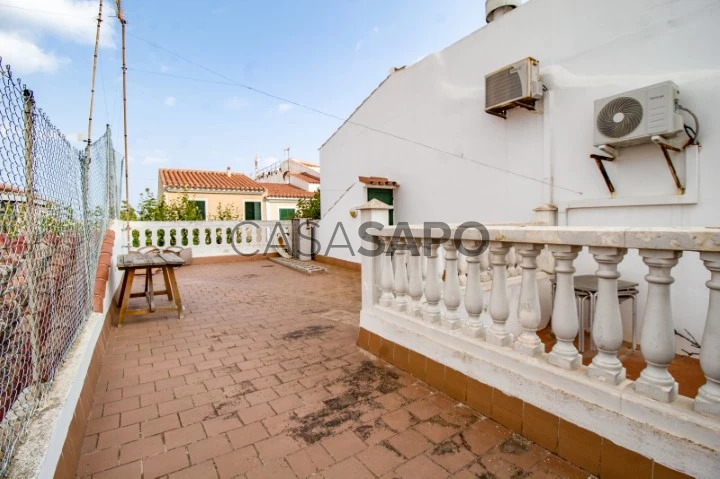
(705, 239)
(527, 246)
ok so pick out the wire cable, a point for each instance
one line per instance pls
(231, 81)
(696, 139)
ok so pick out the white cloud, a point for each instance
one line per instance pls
(68, 19)
(170, 101)
(284, 107)
(376, 30)
(164, 68)
(235, 103)
(358, 45)
(24, 56)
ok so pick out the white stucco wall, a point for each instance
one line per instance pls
(587, 49)
(273, 205)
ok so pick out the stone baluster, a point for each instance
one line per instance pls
(462, 269)
(474, 296)
(658, 333)
(431, 308)
(401, 277)
(529, 303)
(154, 237)
(708, 396)
(607, 331)
(485, 272)
(451, 290)
(511, 262)
(415, 286)
(564, 314)
(498, 333)
(423, 265)
(387, 277)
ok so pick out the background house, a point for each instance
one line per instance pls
(456, 163)
(249, 199)
(292, 171)
(210, 189)
(281, 200)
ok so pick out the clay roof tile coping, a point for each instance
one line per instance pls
(377, 181)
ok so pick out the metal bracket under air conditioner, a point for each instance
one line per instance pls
(665, 146)
(528, 104)
(613, 153)
(601, 166)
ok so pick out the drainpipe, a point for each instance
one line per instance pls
(548, 170)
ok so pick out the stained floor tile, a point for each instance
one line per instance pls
(262, 378)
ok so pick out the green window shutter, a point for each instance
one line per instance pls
(252, 211)
(386, 196)
(287, 213)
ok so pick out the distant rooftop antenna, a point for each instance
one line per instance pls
(257, 164)
(287, 152)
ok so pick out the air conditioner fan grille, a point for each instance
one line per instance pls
(619, 117)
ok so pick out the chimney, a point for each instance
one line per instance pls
(495, 9)
(228, 172)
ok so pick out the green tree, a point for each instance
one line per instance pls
(127, 212)
(309, 207)
(226, 213)
(151, 208)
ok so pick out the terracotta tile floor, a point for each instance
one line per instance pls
(263, 379)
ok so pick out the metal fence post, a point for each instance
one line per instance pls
(30, 238)
(84, 181)
(111, 198)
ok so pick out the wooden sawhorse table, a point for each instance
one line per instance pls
(129, 263)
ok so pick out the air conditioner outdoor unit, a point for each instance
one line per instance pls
(514, 85)
(636, 116)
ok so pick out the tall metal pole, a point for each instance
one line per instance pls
(121, 17)
(92, 82)
(32, 251)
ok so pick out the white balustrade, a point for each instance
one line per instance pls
(512, 261)
(498, 333)
(387, 279)
(474, 295)
(708, 397)
(528, 342)
(485, 271)
(462, 269)
(417, 288)
(658, 334)
(564, 354)
(451, 291)
(400, 286)
(433, 285)
(607, 331)
(415, 285)
(213, 238)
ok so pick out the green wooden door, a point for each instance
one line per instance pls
(201, 207)
(252, 211)
(386, 196)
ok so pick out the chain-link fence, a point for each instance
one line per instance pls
(55, 205)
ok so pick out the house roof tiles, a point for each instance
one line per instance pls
(306, 177)
(282, 190)
(207, 180)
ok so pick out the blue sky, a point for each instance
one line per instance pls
(329, 54)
